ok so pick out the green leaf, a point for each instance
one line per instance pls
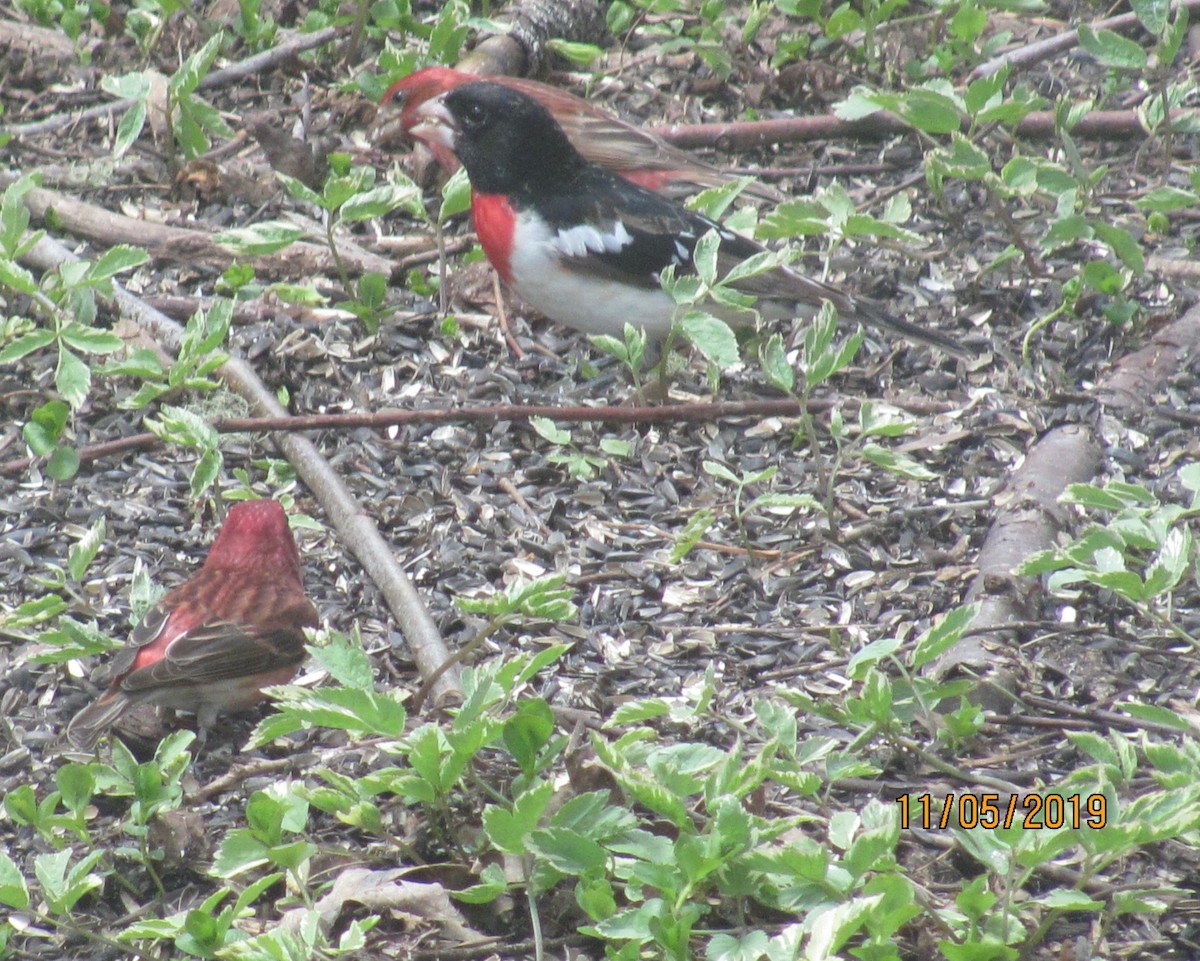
(63, 464)
(16, 277)
(89, 340)
(84, 551)
(72, 378)
(14, 892)
(548, 430)
(1123, 244)
(772, 355)
(712, 337)
(528, 731)
(508, 829)
(963, 160)
(26, 344)
(897, 462)
(578, 54)
(206, 472)
(1159, 715)
(1064, 899)
(1153, 14)
(1066, 230)
(347, 662)
(187, 78)
(115, 260)
(943, 635)
(1167, 199)
(239, 851)
(46, 425)
(377, 202)
(300, 190)
(568, 851)
(704, 257)
(693, 532)
(1111, 49)
(129, 128)
(492, 884)
(259, 239)
(456, 195)
(930, 111)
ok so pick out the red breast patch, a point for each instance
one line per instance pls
(495, 222)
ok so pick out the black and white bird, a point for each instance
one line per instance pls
(587, 248)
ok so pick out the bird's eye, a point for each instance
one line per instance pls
(473, 115)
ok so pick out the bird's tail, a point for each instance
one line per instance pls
(87, 726)
(871, 313)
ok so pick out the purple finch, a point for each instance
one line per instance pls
(211, 644)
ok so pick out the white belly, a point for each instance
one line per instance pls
(594, 305)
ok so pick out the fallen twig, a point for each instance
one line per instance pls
(663, 414)
(748, 134)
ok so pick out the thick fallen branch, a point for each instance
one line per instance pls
(178, 245)
(358, 533)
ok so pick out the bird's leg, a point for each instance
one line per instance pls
(502, 318)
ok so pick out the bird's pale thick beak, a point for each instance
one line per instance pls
(437, 127)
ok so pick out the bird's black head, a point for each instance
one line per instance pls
(508, 142)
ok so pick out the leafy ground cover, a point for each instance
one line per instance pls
(736, 685)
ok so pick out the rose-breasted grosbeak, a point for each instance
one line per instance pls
(637, 155)
(585, 247)
(211, 644)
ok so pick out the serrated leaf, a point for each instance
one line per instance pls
(897, 463)
(568, 851)
(943, 635)
(772, 356)
(72, 378)
(90, 340)
(115, 260)
(712, 337)
(187, 78)
(16, 277)
(84, 551)
(299, 190)
(259, 239)
(377, 202)
(129, 128)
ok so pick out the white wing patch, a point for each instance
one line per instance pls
(581, 239)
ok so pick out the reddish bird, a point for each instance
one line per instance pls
(211, 644)
(587, 248)
(628, 151)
